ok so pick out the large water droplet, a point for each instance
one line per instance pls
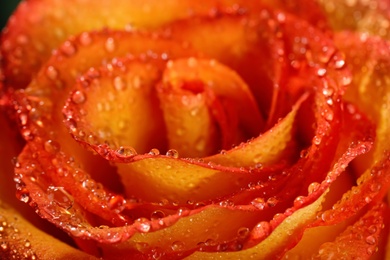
(59, 196)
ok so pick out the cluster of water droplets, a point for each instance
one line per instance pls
(14, 242)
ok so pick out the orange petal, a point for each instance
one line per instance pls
(217, 88)
(359, 240)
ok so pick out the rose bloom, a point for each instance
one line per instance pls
(182, 129)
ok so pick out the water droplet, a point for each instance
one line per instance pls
(314, 186)
(321, 72)
(299, 201)
(177, 246)
(327, 92)
(327, 216)
(258, 203)
(110, 44)
(158, 214)
(126, 151)
(116, 202)
(68, 48)
(119, 83)
(78, 97)
(243, 232)
(51, 146)
(154, 151)
(172, 153)
(261, 230)
(27, 244)
(316, 140)
(375, 187)
(272, 201)
(51, 73)
(371, 240)
(143, 226)
(59, 196)
(85, 38)
(339, 64)
(4, 246)
(372, 229)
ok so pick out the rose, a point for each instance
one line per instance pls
(273, 81)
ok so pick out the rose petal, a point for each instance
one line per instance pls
(359, 240)
(230, 104)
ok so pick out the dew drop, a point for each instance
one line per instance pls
(51, 146)
(243, 232)
(158, 214)
(372, 229)
(68, 48)
(27, 244)
(85, 39)
(272, 201)
(126, 151)
(371, 240)
(110, 44)
(339, 64)
(60, 197)
(314, 186)
(177, 245)
(154, 151)
(116, 202)
(144, 227)
(4, 246)
(327, 92)
(172, 153)
(321, 72)
(51, 73)
(262, 229)
(78, 97)
(299, 201)
(119, 83)
(258, 203)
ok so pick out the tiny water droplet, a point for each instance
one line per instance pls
(243, 232)
(371, 240)
(110, 44)
(85, 39)
(51, 146)
(68, 48)
(299, 201)
(177, 245)
(158, 214)
(119, 83)
(154, 151)
(272, 201)
(78, 97)
(321, 72)
(51, 73)
(339, 64)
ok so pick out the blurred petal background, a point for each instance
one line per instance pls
(6, 8)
